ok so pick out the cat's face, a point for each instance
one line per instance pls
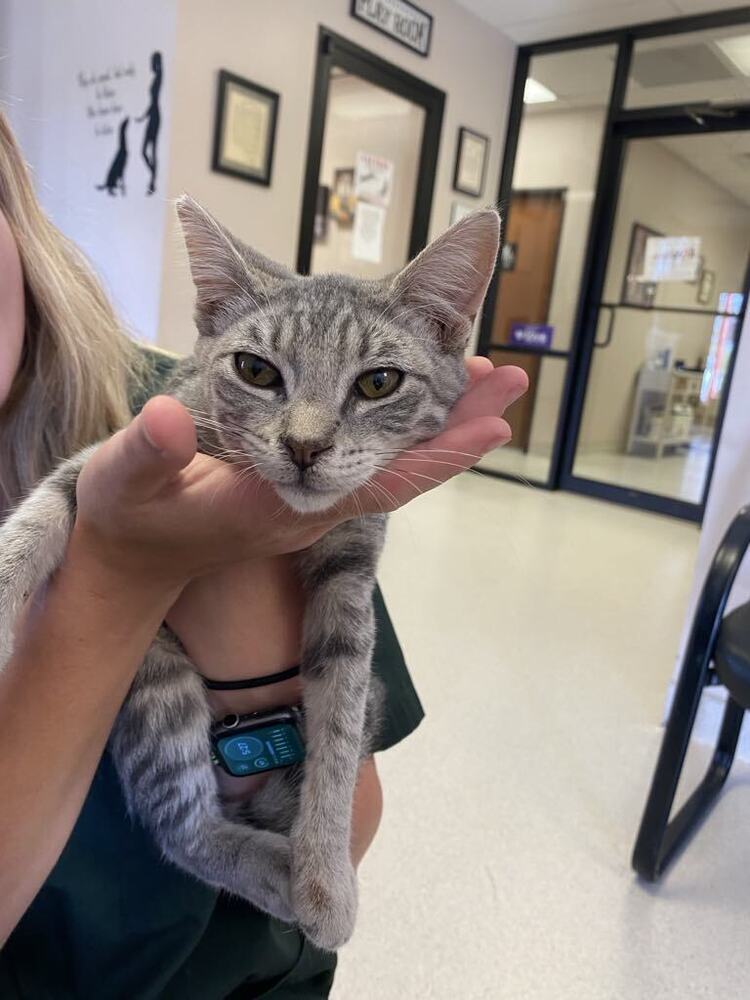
(317, 382)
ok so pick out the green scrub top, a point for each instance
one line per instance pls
(115, 922)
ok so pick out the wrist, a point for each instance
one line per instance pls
(111, 568)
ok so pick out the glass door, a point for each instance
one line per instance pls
(530, 321)
(667, 325)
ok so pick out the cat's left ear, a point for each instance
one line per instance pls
(223, 267)
(448, 280)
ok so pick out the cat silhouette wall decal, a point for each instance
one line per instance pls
(152, 115)
(116, 173)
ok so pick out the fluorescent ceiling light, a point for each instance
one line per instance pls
(737, 51)
(535, 92)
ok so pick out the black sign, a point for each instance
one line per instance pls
(399, 19)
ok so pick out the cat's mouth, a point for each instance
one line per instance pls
(306, 499)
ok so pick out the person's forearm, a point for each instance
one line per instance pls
(367, 809)
(76, 653)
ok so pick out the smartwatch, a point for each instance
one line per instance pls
(263, 741)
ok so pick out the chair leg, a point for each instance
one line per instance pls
(658, 839)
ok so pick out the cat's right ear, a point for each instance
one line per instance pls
(224, 269)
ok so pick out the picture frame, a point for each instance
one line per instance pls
(470, 168)
(244, 129)
(342, 200)
(706, 285)
(635, 292)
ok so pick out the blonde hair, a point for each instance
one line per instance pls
(77, 366)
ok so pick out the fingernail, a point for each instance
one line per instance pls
(498, 442)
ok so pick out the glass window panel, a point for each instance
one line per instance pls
(547, 225)
(656, 380)
(693, 68)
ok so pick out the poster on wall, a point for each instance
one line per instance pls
(672, 258)
(373, 179)
(367, 237)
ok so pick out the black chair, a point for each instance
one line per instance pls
(718, 652)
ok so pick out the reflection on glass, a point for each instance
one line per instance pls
(554, 181)
(700, 67)
(535, 416)
(677, 260)
(368, 177)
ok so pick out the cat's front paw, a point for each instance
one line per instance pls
(270, 876)
(325, 905)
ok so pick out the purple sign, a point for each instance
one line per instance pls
(535, 335)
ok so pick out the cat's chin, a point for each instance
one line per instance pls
(306, 501)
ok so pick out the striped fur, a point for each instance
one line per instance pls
(287, 849)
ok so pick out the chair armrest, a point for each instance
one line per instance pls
(717, 587)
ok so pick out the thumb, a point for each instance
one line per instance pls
(146, 454)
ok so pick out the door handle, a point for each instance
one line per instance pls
(610, 326)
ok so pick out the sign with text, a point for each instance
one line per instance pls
(399, 19)
(534, 335)
(672, 258)
(373, 179)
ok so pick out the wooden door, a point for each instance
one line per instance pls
(533, 235)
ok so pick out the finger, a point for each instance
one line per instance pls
(159, 442)
(490, 396)
(477, 367)
(430, 464)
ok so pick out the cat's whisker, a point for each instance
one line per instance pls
(393, 472)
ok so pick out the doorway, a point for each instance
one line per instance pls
(532, 239)
(647, 130)
(371, 162)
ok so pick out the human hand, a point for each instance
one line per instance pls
(150, 505)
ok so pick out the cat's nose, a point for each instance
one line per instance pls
(305, 453)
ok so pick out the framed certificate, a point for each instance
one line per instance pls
(471, 162)
(245, 129)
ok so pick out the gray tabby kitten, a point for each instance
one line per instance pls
(313, 381)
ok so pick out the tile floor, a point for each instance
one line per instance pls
(679, 473)
(541, 631)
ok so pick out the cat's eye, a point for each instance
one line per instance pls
(379, 383)
(255, 371)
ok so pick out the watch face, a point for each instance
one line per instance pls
(260, 748)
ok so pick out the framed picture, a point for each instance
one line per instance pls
(706, 286)
(343, 201)
(635, 291)
(244, 129)
(471, 162)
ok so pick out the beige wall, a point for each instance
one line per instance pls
(273, 42)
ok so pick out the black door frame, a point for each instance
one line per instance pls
(334, 50)
(621, 124)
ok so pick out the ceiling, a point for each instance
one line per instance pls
(539, 20)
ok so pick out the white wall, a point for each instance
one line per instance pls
(47, 51)
(274, 43)
(730, 490)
